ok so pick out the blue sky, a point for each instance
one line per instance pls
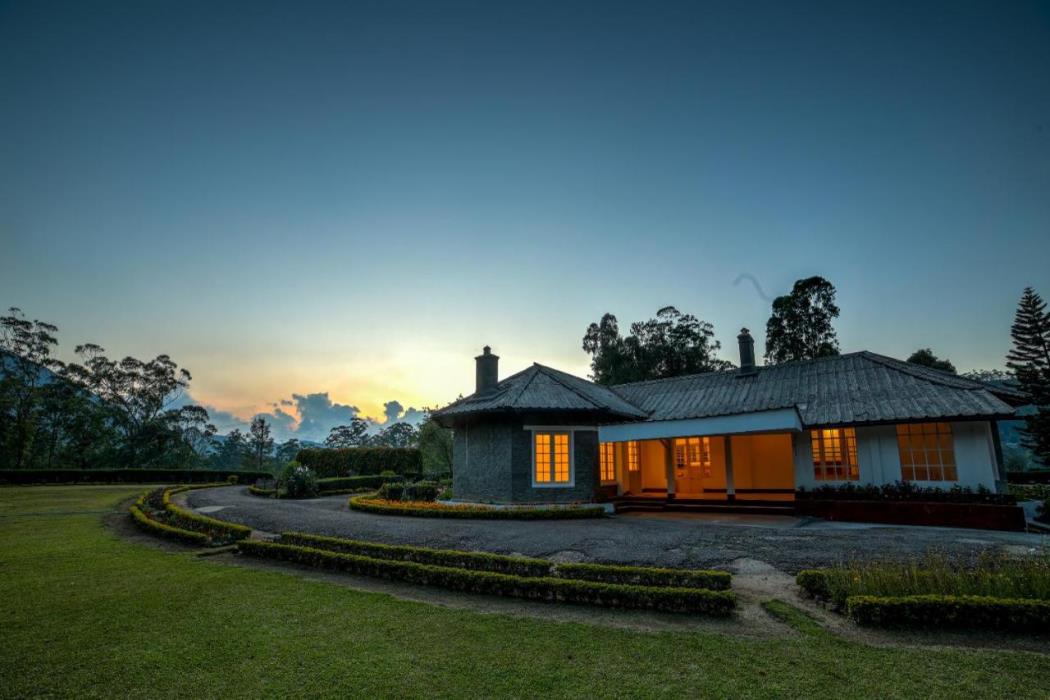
(350, 199)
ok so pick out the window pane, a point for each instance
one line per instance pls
(542, 447)
(561, 457)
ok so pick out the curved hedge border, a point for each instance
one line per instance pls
(218, 531)
(939, 611)
(265, 493)
(424, 509)
(691, 600)
(515, 565)
(139, 515)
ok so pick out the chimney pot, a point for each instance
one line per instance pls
(747, 353)
(486, 376)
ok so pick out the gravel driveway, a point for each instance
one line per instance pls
(703, 540)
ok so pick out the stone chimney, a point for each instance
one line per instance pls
(747, 353)
(487, 374)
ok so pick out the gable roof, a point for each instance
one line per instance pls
(861, 387)
(546, 389)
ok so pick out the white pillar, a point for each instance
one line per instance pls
(669, 465)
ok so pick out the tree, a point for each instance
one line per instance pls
(435, 447)
(989, 375)
(26, 366)
(926, 358)
(287, 451)
(260, 444)
(353, 435)
(670, 345)
(232, 451)
(397, 435)
(800, 325)
(1029, 360)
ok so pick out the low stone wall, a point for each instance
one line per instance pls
(970, 515)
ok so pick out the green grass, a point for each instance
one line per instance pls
(85, 613)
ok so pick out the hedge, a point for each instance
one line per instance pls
(335, 485)
(646, 576)
(123, 476)
(218, 531)
(814, 583)
(939, 611)
(1039, 476)
(694, 600)
(904, 491)
(516, 565)
(156, 527)
(427, 509)
(361, 460)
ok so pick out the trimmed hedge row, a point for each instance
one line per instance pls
(256, 491)
(693, 600)
(336, 485)
(904, 491)
(123, 476)
(646, 576)
(217, 531)
(155, 527)
(939, 611)
(517, 566)
(421, 509)
(361, 460)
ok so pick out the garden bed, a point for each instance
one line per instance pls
(966, 515)
(473, 580)
(438, 509)
(999, 593)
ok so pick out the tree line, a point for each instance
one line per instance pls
(800, 327)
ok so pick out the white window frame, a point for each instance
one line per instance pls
(552, 430)
(601, 457)
(849, 455)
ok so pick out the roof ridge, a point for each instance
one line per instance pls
(928, 374)
(548, 370)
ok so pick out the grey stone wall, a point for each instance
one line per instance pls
(492, 462)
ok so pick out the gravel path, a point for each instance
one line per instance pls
(705, 540)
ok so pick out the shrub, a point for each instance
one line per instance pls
(361, 460)
(905, 491)
(421, 491)
(297, 481)
(445, 495)
(390, 475)
(433, 509)
(546, 589)
(391, 491)
(264, 493)
(122, 476)
(995, 575)
(940, 611)
(231, 479)
(351, 483)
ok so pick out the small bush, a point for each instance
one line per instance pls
(361, 460)
(297, 481)
(814, 583)
(685, 600)
(421, 491)
(391, 491)
(433, 509)
(231, 479)
(941, 611)
(445, 495)
(390, 475)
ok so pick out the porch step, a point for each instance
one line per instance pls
(629, 504)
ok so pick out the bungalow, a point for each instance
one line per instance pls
(753, 434)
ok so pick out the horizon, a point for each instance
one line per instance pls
(328, 213)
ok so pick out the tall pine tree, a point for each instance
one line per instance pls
(1029, 360)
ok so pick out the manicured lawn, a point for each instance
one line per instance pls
(83, 612)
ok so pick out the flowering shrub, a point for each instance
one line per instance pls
(905, 491)
(297, 481)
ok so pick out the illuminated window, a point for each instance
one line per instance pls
(633, 463)
(551, 463)
(608, 461)
(834, 454)
(927, 452)
(693, 452)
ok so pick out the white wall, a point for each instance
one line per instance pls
(879, 457)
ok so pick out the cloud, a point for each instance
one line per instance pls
(313, 417)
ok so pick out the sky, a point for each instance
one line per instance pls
(327, 209)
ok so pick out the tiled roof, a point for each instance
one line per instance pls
(860, 387)
(543, 388)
